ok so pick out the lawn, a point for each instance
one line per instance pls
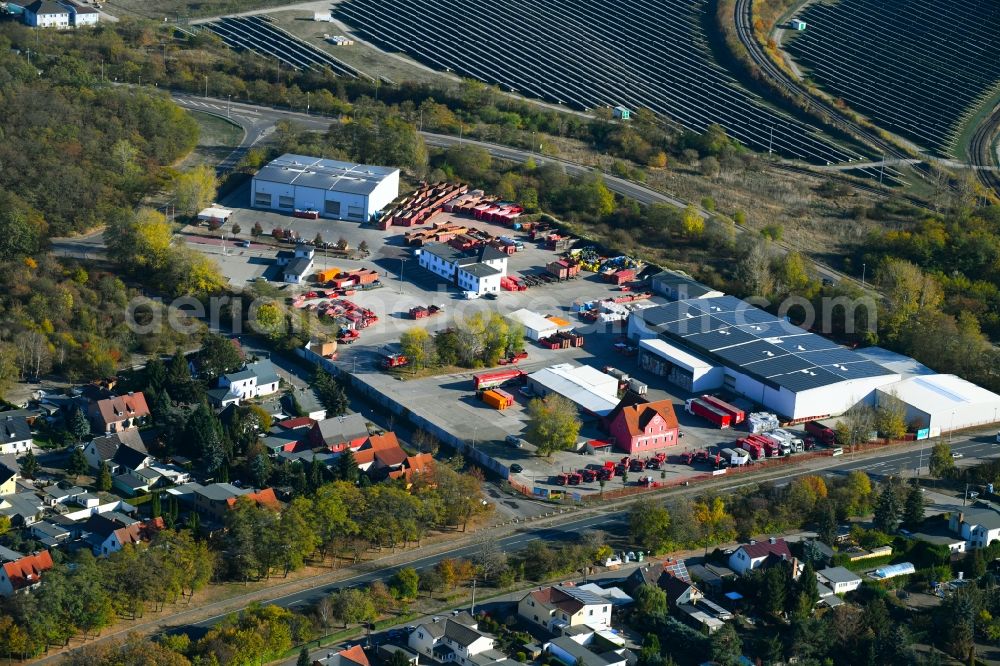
(216, 140)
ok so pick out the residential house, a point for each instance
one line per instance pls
(119, 413)
(308, 402)
(413, 466)
(255, 380)
(387, 650)
(653, 573)
(287, 435)
(352, 656)
(615, 595)
(15, 435)
(10, 472)
(88, 504)
(46, 14)
(640, 426)
(216, 499)
(50, 534)
(839, 579)
(24, 573)
(152, 475)
(110, 533)
(979, 524)
(380, 455)
(122, 451)
(81, 16)
(340, 433)
(454, 640)
(56, 494)
(23, 508)
(757, 554)
(563, 606)
(478, 271)
(571, 653)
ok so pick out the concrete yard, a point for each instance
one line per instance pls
(449, 402)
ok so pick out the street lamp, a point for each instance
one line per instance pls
(308, 94)
(864, 267)
(229, 106)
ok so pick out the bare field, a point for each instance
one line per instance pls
(361, 56)
(173, 9)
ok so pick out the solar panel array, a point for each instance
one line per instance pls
(736, 334)
(586, 54)
(914, 66)
(258, 34)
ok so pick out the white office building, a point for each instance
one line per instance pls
(336, 190)
(477, 271)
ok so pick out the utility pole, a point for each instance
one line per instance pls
(863, 268)
(770, 140)
(206, 86)
(401, 260)
(473, 609)
(881, 169)
(307, 102)
(229, 106)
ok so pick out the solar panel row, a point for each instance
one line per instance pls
(773, 350)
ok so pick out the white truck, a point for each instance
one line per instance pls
(795, 444)
(735, 457)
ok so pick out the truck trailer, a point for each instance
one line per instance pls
(497, 398)
(822, 434)
(699, 407)
(736, 413)
(488, 380)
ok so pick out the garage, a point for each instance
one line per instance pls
(537, 326)
(679, 367)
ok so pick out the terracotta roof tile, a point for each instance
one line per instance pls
(27, 571)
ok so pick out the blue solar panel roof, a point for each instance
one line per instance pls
(764, 346)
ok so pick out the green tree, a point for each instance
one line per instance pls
(826, 522)
(29, 465)
(218, 356)
(890, 417)
(78, 425)
(649, 525)
(808, 594)
(942, 465)
(331, 393)
(553, 424)
(975, 564)
(727, 647)
(887, 509)
(257, 231)
(347, 467)
(651, 601)
(405, 583)
(195, 189)
(418, 347)
(304, 658)
(104, 477)
(913, 508)
(155, 506)
(773, 590)
(77, 463)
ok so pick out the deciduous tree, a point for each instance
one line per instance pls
(553, 424)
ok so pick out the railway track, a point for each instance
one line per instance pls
(981, 153)
(744, 28)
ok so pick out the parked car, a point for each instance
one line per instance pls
(956, 456)
(514, 441)
(517, 469)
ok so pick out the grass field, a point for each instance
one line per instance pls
(217, 139)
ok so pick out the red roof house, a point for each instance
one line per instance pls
(757, 554)
(119, 413)
(25, 573)
(639, 426)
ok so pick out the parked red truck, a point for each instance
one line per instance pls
(735, 412)
(821, 433)
(488, 380)
(755, 449)
(699, 407)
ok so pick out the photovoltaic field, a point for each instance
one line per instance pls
(587, 54)
(915, 67)
(260, 35)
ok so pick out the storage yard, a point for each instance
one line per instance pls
(586, 55)
(730, 375)
(921, 75)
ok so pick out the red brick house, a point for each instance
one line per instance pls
(639, 426)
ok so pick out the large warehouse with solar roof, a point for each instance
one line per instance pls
(725, 343)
